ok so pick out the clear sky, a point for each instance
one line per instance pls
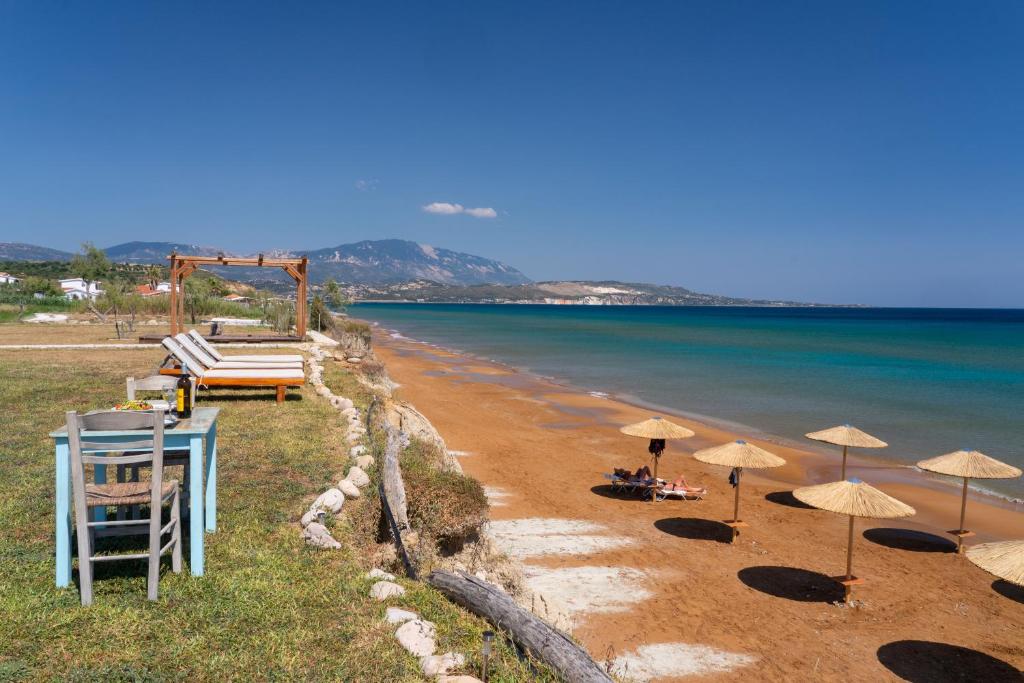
(866, 152)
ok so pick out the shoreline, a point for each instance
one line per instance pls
(911, 474)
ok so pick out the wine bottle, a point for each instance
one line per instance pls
(183, 394)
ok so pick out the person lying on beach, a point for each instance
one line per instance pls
(681, 485)
(643, 473)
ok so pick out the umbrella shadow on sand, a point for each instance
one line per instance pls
(608, 491)
(695, 528)
(791, 583)
(919, 661)
(909, 539)
(1009, 590)
(788, 499)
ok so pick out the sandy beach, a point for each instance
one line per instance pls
(658, 589)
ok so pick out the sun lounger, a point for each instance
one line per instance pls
(279, 378)
(631, 484)
(691, 493)
(265, 358)
(211, 363)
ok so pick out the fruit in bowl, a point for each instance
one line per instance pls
(134, 405)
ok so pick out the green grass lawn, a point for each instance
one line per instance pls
(268, 607)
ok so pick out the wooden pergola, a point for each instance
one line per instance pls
(183, 266)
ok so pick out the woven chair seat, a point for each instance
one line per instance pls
(127, 493)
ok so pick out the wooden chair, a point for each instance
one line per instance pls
(148, 450)
(159, 383)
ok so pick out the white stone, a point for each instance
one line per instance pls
(353, 359)
(317, 535)
(365, 461)
(376, 573)
(417, 637)
(382, 590)
(323, 391)
(357, 476)
(348, 488)
(331, 500)
(436, 665)
(308, 518)
(353, 439)
(356, 451)
(463, 678)
(345, 403)
(395, 615)
(348, 412)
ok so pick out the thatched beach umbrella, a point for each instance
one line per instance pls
(846, 436)
(1004, 559)
(656, 428)
(738, 454)
(856, 499)
(969, 464)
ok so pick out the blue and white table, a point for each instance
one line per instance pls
(188, 434)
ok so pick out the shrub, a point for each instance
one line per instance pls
(446, 507)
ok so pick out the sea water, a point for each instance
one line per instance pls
(927, 381)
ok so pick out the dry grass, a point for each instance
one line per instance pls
(268, 608)
(92, 332)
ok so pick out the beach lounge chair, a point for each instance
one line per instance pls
(280, 377)
(211, 363)
(689, 493)
(242, 358)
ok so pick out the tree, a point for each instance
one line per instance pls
(153, 275)
(90, 265)
(333, 296)
(198, 298)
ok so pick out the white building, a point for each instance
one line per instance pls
(8, 279)
(75, 289)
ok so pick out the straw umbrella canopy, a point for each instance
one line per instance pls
(656, 428)
(846, 436)
(969, 464)
(1004, 559)
(739, 454)
(855, 499)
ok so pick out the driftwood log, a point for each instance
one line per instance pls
(393, 501)
(527, 630)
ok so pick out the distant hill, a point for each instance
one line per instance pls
(19, 251)
(155, 252)
(604, 293)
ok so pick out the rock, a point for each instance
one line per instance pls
(364, 461)
(349, 412)
(376, 573)
(345, 404)
(463, 678)
(323, 391)
(417, 637)
(152, 323)
(348, 488)
(336, 402)
(382, 590)
(353, 359)
(436, 665)
(331, 500)
(356, 451)
(353, 439)
(317, 535)
(357, 476)
(395, 615)
(308, 518)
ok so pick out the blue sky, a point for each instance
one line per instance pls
(865, 152)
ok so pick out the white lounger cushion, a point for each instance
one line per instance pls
(253, 373)
(232, 365)
(267, 359)
(208, 348)
(208, 361)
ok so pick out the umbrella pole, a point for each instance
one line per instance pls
(843, 478)
(849, 551)
(654, 486)
(963, 513)
(736, 505)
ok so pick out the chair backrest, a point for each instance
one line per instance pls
(152, 383)
(203, 357)
(95, 449)
(195, 368)
(205, 345)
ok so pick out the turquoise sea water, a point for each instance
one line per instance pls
(927, 381)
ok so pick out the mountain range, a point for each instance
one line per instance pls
(366, 262)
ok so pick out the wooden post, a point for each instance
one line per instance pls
(174, 294)
(301, 313)
(654, 486)
(843, 478)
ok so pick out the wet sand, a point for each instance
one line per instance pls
(540, 449)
